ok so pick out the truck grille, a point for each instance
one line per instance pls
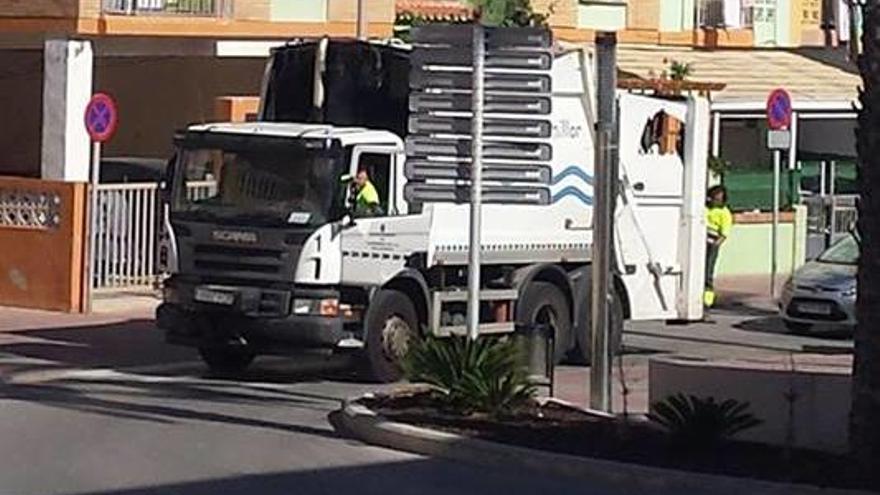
(239, 261)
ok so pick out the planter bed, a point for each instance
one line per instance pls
(563, 429)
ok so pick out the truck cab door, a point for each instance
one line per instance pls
(370, 253)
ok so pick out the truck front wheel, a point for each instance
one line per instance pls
(226, 359)
(391, 326)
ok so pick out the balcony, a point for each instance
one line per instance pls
(185, 8)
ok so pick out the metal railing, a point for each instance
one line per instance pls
(828, 219)
(194, 8)
(128, 224)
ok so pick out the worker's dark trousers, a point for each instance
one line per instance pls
(712, 250)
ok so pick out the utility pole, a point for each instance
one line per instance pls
(362, 24)
(603, 218)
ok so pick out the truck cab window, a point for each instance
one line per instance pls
(378, 170)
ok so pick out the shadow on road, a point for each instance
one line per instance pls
(162, 402)
(125, 344)
(138, 347)
(411, 477)
(775, 325)
(768, 324)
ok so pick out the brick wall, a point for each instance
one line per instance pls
(643, 14)
(346, 10)
(564, 13)
(39, 8)
(252, 10)
(90, 8)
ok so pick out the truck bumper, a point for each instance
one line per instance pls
(192, 328)
(191, 323)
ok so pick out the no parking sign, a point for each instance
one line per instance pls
(101, 118)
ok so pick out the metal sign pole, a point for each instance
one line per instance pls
(600, 370)
(361, 19)
(774, 242)
(93, 225)
(781, 127)
(473, 323)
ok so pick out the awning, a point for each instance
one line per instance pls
(750, 75)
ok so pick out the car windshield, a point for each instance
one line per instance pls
(261, 180)
(843, 252)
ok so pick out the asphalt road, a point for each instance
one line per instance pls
(102, 406)
(108, 433)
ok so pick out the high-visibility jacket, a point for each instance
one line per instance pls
(367, 200)
(719, 221)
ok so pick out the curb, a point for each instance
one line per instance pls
(359, 422)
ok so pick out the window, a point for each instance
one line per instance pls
(663, 134)
(379, 171)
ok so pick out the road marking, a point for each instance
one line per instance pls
(139, 373)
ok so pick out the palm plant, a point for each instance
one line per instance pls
(697, 422)
(865, 417)
(486, 375)
(679, 71)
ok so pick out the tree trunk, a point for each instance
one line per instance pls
(865, 416)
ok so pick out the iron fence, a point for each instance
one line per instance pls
(828, 219)
(130, 218)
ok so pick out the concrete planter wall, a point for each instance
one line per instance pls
(817, 417)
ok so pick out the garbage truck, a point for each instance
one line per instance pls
(266, 255)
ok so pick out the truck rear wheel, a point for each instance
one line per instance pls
(391, 327)
(226, 359)
(544, 303)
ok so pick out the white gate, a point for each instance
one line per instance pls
(127, 230)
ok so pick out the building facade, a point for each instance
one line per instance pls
(167, 61)
(164, 61)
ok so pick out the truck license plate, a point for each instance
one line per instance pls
(814, 308)
(214, 296)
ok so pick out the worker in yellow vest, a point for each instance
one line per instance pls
(364, 196)
(719, 222)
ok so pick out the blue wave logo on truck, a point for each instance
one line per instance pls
(577, 192)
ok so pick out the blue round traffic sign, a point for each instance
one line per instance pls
(779, 110)
(101, 118)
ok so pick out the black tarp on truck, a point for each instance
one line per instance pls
(365, 85)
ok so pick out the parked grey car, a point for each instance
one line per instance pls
(822, 293)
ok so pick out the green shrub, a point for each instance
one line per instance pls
(702, 422)
(487, 375)
(680, 71)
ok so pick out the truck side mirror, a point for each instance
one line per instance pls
(167, 180)
(348, 220)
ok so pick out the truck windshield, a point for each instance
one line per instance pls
(261, 181)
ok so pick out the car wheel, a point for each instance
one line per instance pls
(544, 303)
(391, 327)
(226, 359)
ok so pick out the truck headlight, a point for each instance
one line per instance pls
(328, 307)
(321, 307)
